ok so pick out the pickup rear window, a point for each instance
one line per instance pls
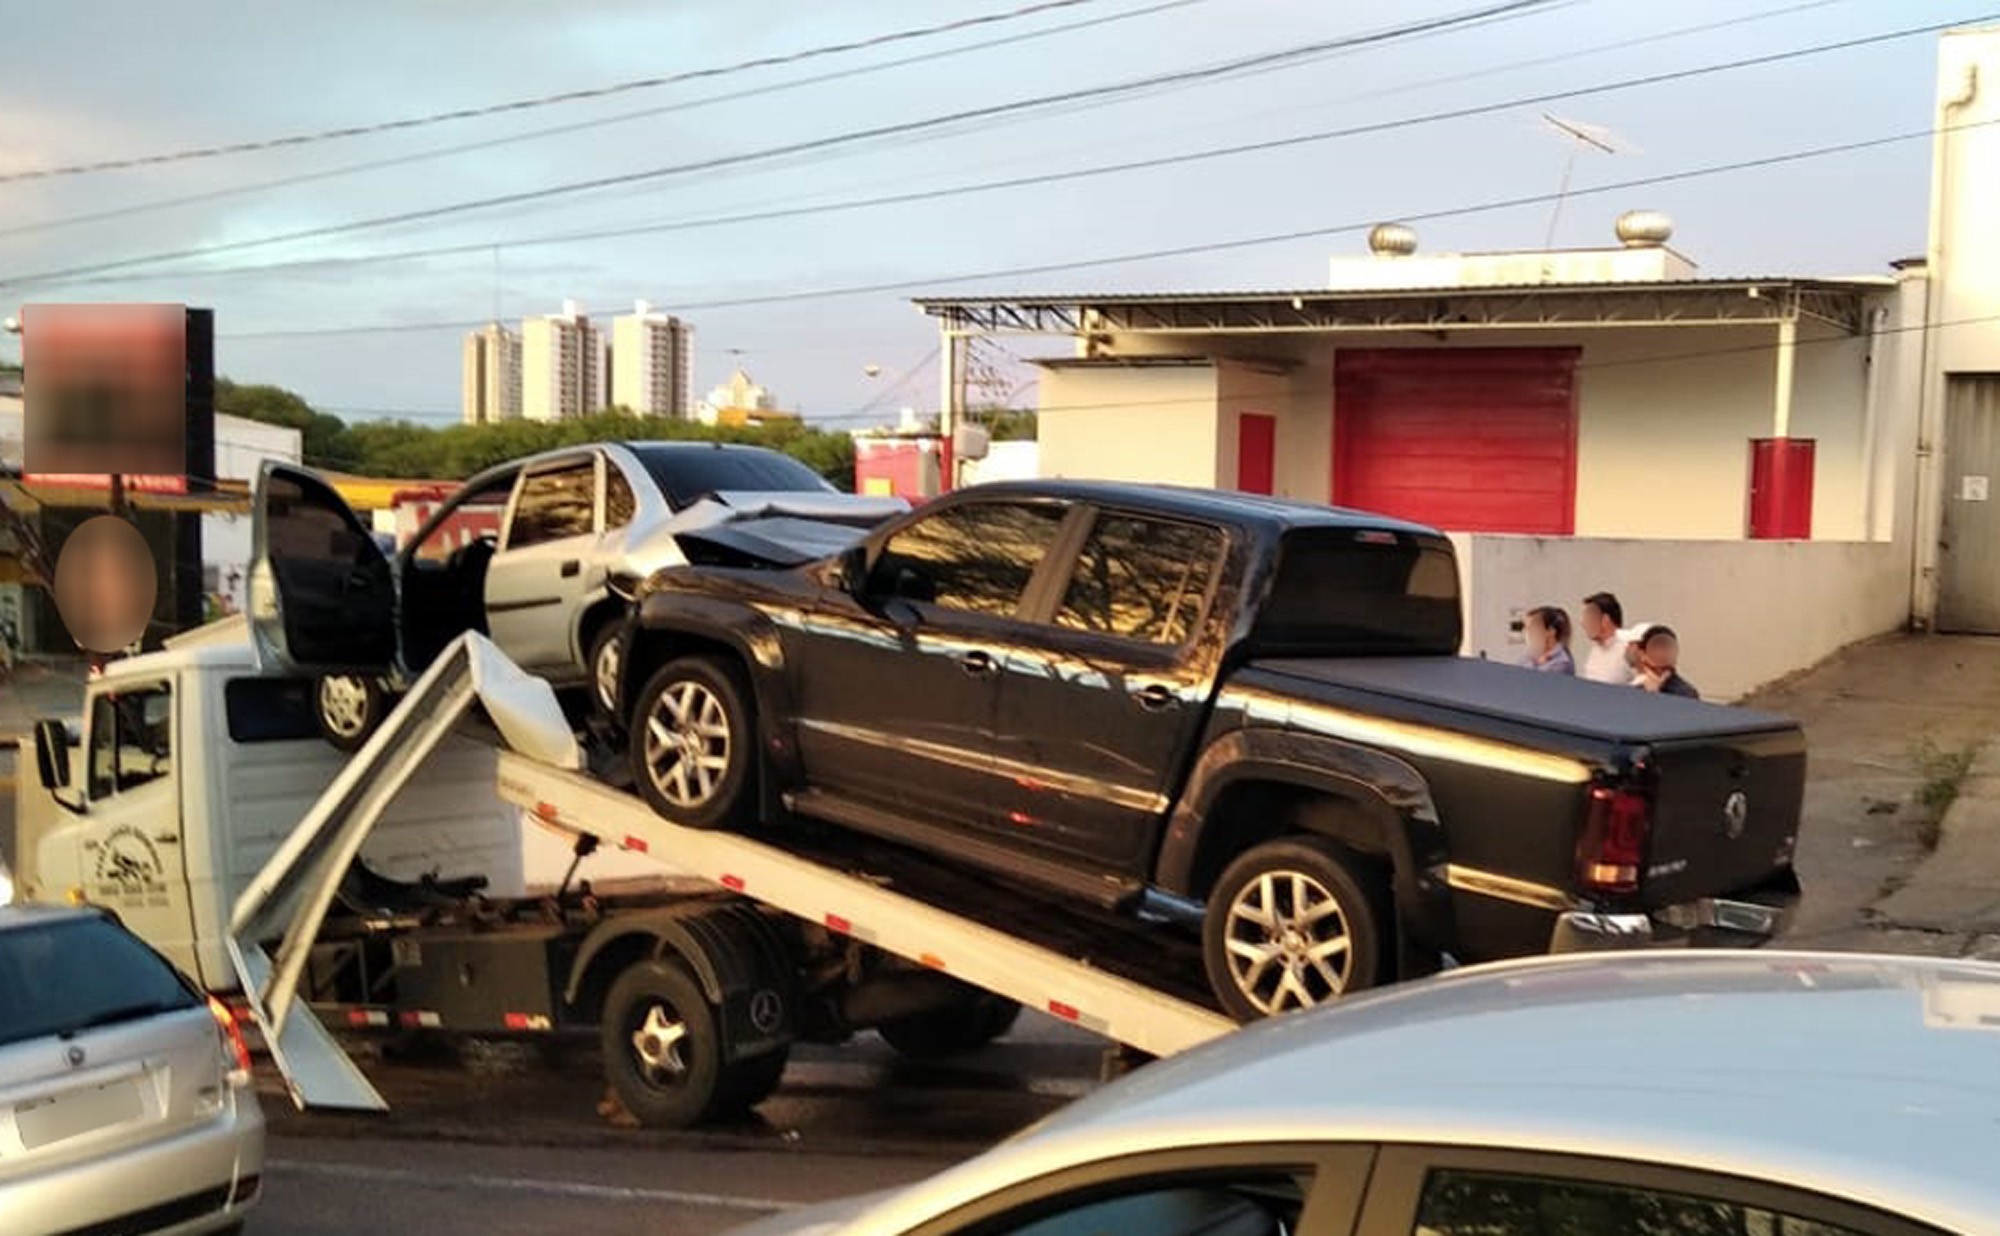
(78, 973)
(1358, 592)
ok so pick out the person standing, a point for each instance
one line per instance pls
(1547, 630)
(1659, 664)
(1605, 660)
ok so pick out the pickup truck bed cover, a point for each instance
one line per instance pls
(1553, 702)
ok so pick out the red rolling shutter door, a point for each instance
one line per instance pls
(1467, 440)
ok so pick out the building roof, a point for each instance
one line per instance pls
(1691, 302)
(1865, 1077)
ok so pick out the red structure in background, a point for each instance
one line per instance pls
(1781, 489)
(1256, 452)
(464, 526)
(913, 467)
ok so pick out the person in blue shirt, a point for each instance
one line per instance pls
(1547, 630)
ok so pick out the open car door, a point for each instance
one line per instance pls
(322, 593)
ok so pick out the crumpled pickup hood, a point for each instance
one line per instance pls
(763, 529)
(859, 509)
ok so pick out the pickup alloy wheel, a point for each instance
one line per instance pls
(692, 746)
(1290, 925)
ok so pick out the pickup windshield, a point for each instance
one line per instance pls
(685, 473)
(1360, 592)
(79, 974)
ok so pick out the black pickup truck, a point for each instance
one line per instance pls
(1250, 712)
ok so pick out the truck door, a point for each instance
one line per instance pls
(129, 835)
(322, 594)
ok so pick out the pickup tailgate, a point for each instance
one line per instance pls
(1725, 814)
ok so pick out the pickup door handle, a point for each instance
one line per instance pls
(978, 664)
(572, 568)
(1155, 698)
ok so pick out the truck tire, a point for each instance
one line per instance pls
(939, 1034)
(693, 745)
(1292, 924)
(663, 1047)
(349, 709)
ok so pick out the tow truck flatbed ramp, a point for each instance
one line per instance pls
(1116, 1007)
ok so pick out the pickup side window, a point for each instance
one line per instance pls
(131, 739)
(1360, 592)
(977, 558)
(1141, 579)
(554, 505)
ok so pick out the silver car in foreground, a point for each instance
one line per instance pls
(125, 1094)
(1692, 1094)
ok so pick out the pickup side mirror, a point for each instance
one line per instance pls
(849, 572)
(52, 754)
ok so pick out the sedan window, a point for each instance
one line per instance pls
(1471, 1203)
(554, 505)
(72, 975)
(978, 557)
(685, 473)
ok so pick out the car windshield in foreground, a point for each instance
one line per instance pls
(1360, 592)
(685, 473)
(78, 974)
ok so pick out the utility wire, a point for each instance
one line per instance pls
(1015, 182)
(1297, 54)
(534, 103)
(1245, 242)
(440, 152)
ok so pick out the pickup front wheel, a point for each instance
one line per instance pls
(1292, 924)
(693, 745)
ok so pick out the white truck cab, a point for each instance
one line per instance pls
(193, 765)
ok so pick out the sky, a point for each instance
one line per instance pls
(93, 80)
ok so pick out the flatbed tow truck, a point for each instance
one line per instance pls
(695, 996)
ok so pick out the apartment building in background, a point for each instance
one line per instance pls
(565, 366)
(491, 383)
(652, 362)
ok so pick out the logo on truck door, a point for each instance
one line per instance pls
(1735, 814)
(128, 868)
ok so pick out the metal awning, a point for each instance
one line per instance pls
(1840, 303)
(227, 498)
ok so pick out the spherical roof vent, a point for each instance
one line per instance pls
(1644, 229)
(1392, 240)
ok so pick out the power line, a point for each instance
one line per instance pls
(440, 152)
(1246, 242)
(1294, 55)
(536, 102)
(1041, 178)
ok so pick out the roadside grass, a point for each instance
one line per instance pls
(1941, 771)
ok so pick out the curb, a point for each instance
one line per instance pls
(1957, 888)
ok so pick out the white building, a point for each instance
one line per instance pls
(1778, 466)
(565, 366)
(740, 401)
(491, 383)
(652, 362)
(241, 447)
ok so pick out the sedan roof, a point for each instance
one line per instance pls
(1876, 1079)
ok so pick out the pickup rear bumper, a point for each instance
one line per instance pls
(1713, 922)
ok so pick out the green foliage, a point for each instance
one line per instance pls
(392, 448)
(1005, 424)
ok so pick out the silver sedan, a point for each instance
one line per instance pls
(125, 1094)
(1696, 1094)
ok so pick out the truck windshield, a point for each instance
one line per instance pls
(78, 973)
(1349, 592)
(685, 473)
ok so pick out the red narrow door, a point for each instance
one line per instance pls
(1464, 439)
(1256, 452)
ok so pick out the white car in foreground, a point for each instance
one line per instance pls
(541, 555)
(1655, 1094)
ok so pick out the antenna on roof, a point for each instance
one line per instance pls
(1581, 137)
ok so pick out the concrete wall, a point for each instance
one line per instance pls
(1747, 612)
(1130, 424)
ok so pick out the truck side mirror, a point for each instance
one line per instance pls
(52, 754)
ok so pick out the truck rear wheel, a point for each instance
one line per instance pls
(1292, 924)
(939, 1034)
(693, 745)
(663, 1051)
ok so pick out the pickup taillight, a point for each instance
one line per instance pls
(1613, 846)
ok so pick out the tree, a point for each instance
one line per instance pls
(323, 439)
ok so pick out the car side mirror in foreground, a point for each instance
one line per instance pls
(52, 754)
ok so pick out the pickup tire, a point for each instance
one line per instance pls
(693, 744)
(1291, 924)
(664, 1054)
(939, 1034)
(349, 709)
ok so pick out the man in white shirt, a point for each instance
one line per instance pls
(1605, 659)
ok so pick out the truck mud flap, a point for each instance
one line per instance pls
(289, 899)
